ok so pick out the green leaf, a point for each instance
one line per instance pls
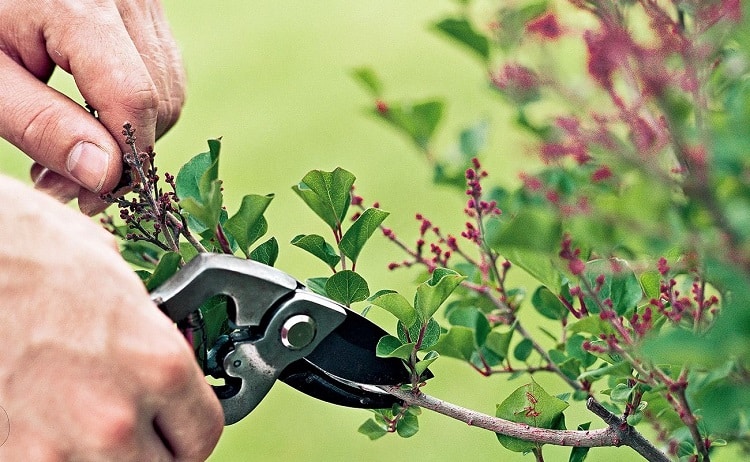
(527, 241)
(168, 266)
(242, 226)
(214, 312)
(408, 426)
(474, 319)
(429, 331)
(513, 21)
(523, 350)
(578, 454)
(207, 208)
(462, 31)
(360, 231)
(347, 287)
(143, 274)
(431, 334)
(397, 305)
(317, 246)
(266, 253)
(367, 77)
(539, 266)
(199, 190)
(432, 293)
(373, 430)
(457, 343)
(591, 325)
(548, 305)
(621, 369)
(574, 349)
(532, 405)
(212, 173)
(499, 342)
(417, 121)
(425, 362)
(197, 174)
(620, 285)
(141, 253)
(317, 285)
(328, 194)
(620, 393)
(391, 347)
(651, 283)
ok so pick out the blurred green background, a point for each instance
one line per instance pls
(273, 79)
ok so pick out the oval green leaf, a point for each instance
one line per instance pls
(328, 194)
(532, 405)
(360, 231)
(347, 287)
(317, 246)
(548, 305)
(266, 253)
(620, 285)
(397, 305)
(432, 293)
(391, 347)
(243, 225)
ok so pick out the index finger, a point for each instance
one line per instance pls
(90, 41)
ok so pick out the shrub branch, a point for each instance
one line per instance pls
(618, 433)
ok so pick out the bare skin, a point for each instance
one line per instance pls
(91, 369)
(126, 65)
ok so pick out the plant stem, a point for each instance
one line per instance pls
(182, 224)
(223, 241)
(618, 432)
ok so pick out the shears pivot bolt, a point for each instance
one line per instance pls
(298, 331)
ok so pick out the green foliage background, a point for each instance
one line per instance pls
(272, 77)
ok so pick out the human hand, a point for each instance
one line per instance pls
(126, 65)
(91, 369)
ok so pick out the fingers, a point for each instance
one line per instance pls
(89, 40)
(126, 65)
(54, 184)
(196, 440)
(126, 73)
(189, 400)
(153, 38)
(55, 131)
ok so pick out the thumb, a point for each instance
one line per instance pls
(55, 131)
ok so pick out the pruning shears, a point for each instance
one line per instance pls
(280, 330)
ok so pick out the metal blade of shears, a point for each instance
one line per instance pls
(344, 369)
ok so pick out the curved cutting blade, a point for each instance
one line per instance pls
(344, 367)
(307, 378)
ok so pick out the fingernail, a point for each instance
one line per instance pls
(88, 163)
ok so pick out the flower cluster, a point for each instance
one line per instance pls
(150, 213)
(699, 307)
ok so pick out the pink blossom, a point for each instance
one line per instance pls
(518, 82)
(602, 173)
(545, 26)
(607, 51)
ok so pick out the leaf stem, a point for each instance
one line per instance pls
(223, 241)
